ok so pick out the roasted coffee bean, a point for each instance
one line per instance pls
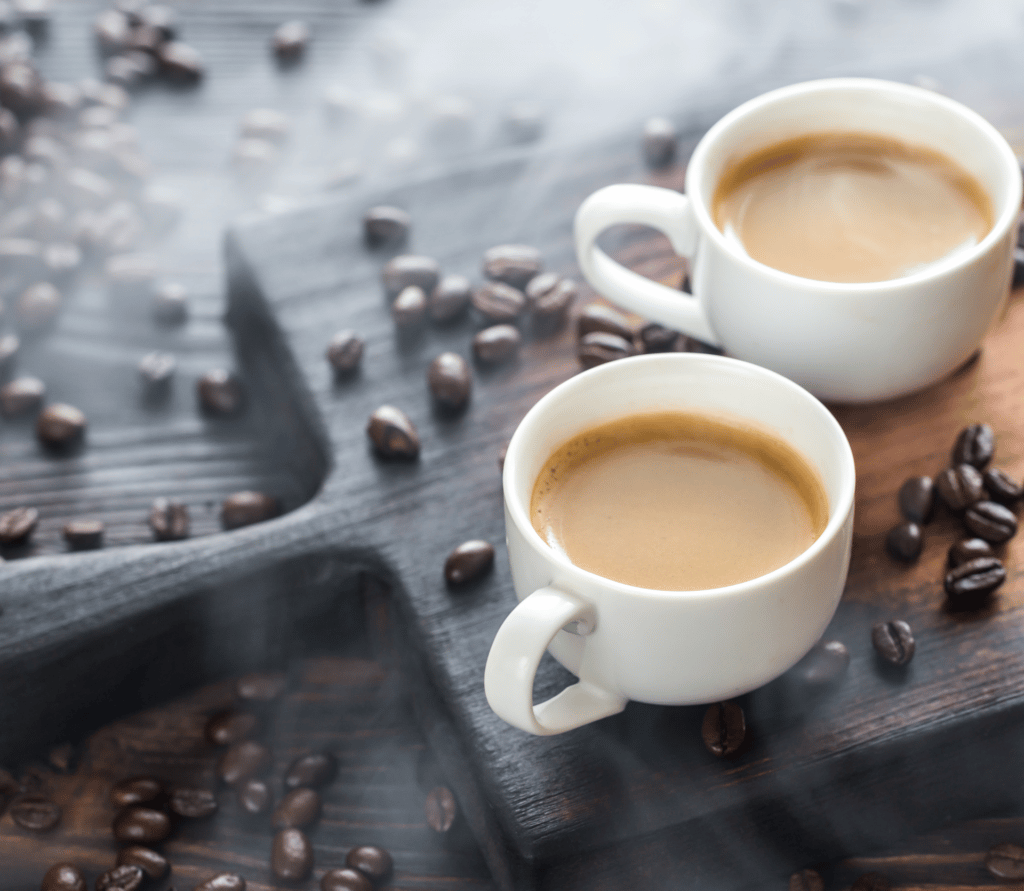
(450, 381)
(893, 641)
(393, 434)
(1005, 861)
(291, 857)
(261, 686)
(599, 347)
(131, 69)
(657, 338)
(220, 393)
(152, 863)
(959, 487)
(223, 881)
(513, 264)
(180, 62)
(63, 877)
(724, 728)
(290, 40)
(384, 225)
(450, 298)
(871, 881)
(311, 771)
(824, 664)
(470, 561)
(141, 825)
(136, 790)
(409, 309)
(21, 88)
(1002, 487)
(17, 526)
(169, 520)
(121, 878)
(409, 269)
(991, 521)
(22, 395)
(170, 304)
(372, 861)
(806, 880)
(345, 878)
(193, 804)
(659, 142)
(37, 308)
(598, 317)
(917, 499)
(224, 728)
(968, 549)
(35, 812)
(9, 347)
(60, 426)
(970, 584)
(156, 371)
(440, 809)
(498, 303)
(496, 344)
(162, 18)
(84, 535)
(242, 761)
(245, 508)
(975, 446)
(112, 29)
(904, 542)
(254, 797)
(551, 306)
(297, 810)
(345, 352)
(539, 285)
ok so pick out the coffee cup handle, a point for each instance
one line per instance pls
(520, 643)
(663, 209)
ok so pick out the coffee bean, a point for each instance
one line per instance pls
(22, 395)
(496, 344)
(180, 62)
(17, 525)
(409, 309)
(60, 426)
(1002, 487)
(1005, 861)
(409, 269)
(141, 825)
(121, 878)
(806, 880)
(450, 298)
(311, 771)
(220, 393)
(161, 18)
(261, 686)
(242, 761)
(345, 352)
(551, 306)
(513, 264)
(539, 285)
(20, 88)
(968, 549)
(35, 812)
(657, 338)
(131, 69)
(245, 508)
(291, 857)
(224, 728)
(824, 664)
(170, 304)
(345, 879)
(111, 29)
(169, 520)
(290, 40)
(386, 226)
(970, 584)
(63, 877)
(871, 881)
(84, 535)
(598, 317)
(297, 810)
(136, 790)
(469, 562)
(193, 804)
(498, 303)
(599, 347)
(893, 641)
(223, 881)
(917, 499)
(440, 809)
(153, 864)
(659, 142)
(724, 728)
(975, 446)
(393, 434)
(37, 308)
(156, 371)
(959, 487)
(9, 347)
(904, 542)
(254, 797)
(450, 381)
(991, 521)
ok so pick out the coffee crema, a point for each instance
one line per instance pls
(678, 501)
(850, 207)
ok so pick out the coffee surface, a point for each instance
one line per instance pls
(678, 501)
(850, 207)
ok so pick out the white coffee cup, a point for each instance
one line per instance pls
(843, 342)
(663, 647)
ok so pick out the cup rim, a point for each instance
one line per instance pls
(838, 512)
(1000, 226)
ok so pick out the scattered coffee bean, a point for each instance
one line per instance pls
(22, 395)
(968, 549)
(1005, 861)
(242, 761)
(37, 308)
(254, 797)
(345, 352)
(409, 309)
(311, 771)
(374, 862)
(959, 487)
(297, 810)
(450, 298)
(193, 804)
(60, 426)
(469, 562)
(659, 142)
(409, 269)
(893, 641)
(970, 584)
(598, 317)
(1002, 487)
(290, 40)
(440, 809)
(84, 535)
(904, 542)
(180, 62)
(498, 303)
(220, 393)
(552, 306)
(345, 879)
(63, 877)
(599, 347)
(261, 686)
(991, 521)
(112, 30)
(806, 880)
(657, 338)
(450, 381)
(386, 226)
(9, 347)
(156, 371)
(975, 446)
(121, 878)
(393, 434)
(917, 499)
(513, 264)
(539, 285)
(136, 790)
(245, 508)
(724, 728)
(17, 525)
(824, 664)
(224, 728)
(170, 304)
(152, 863)
(141, 825)
(871, 881)
(291, 857)
(496, 344)
(36, 813)
(169, 520)
(223, 881)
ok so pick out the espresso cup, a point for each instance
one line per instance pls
(844, 342)
(663, 647)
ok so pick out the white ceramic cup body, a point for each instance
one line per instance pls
(663, 647)
(843, 342)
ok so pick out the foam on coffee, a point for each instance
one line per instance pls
(678, 501)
